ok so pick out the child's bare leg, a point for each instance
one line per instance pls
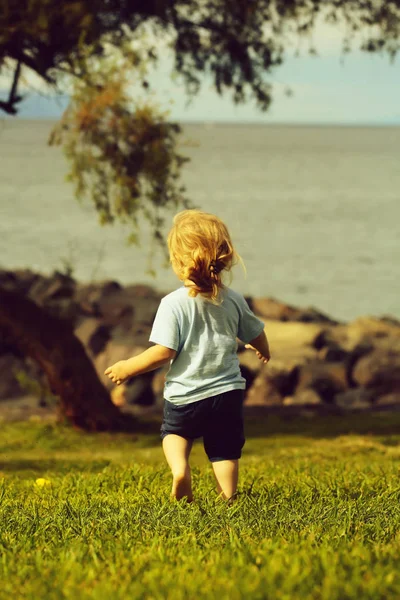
(226, 473)
(177, 450)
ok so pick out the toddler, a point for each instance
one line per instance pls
(196, 329)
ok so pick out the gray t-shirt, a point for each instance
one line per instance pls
(204, 336)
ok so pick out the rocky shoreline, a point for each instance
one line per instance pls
(317, 362)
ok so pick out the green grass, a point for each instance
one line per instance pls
(317, 516)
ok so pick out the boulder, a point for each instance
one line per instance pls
(120, 307)
(389, 343)
(282, 375)
(138, 390)
(274, 380)
(388, 400)
(250, 361)
(118, 395)
(326, 379)
(390, 320)
(282, 336)
(93, 334)
(115, 307)
(262, 392)
(111, 354)
(248, 375)
(306, 396)
(9, 346)
(19, 280)
(270, 308)
(360, 350)
(8, 280)
(378, 371)
(354, 399)
(57, 286)
(9, 385)
(90, 296)
(333, 353)
(146, 302)
(364, 329)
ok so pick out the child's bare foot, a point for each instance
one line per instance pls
(182, 488)
(232, 499)
(228, 501)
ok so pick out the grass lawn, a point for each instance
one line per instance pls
(317, 516)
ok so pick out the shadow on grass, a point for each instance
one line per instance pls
(308, 423)
(40, 465)
(261, 422)
(21, 441)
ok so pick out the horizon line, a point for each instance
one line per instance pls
(216, 122)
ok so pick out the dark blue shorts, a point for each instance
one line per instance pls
(218, 420)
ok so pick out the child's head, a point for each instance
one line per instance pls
(200, 249)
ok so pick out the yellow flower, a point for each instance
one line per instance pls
(41, 482)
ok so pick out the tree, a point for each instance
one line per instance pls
(237, 41)
(124, 156)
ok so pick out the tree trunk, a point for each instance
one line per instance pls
(51, 342)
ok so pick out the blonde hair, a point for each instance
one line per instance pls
(200, 250)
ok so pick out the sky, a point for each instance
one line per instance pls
(330, 88)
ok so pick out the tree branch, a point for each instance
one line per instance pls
(13, 98)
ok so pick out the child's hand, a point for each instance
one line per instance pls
(118, 372)
(265, 359)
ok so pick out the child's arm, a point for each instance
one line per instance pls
(150, 359)
(261, 346)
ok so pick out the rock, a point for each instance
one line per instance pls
(364, 329)
(378, 371)
(291, 334)
(262, 392)
(327, 379)
(124, 308)
(97, 291)
(8, 280)
(86, 295)
(19, 280)
(115, 307)
(390, 320)
(111, 354)
(118, 395)
(312, 315)
(9, 346)
(388, 400)
(271, 381)
(333, 353)
(354, 399)
(139, 390)
(360, 350)
(388, 343)
(146, 302)
(9, 385)
(269, 308)
(55, 287)
(248, 375)
(91, 296)
(93, 335)
(303, 397)
(282, 376)
(250, 361)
